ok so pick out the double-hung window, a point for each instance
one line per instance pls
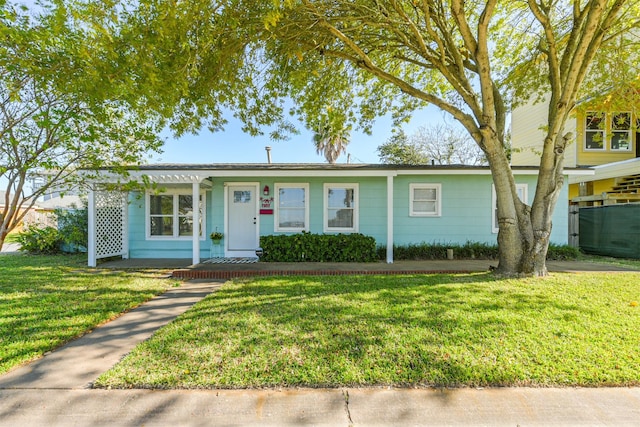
(621, 131)
(594, 130)
(170, 215)
(600, 127)
(424, 199)
(341, 208)
(522, 195)
(292, 207)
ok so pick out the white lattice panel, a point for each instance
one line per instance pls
(111, 223)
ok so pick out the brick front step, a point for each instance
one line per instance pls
(221, 274)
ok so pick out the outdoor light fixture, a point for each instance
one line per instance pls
(265, 190)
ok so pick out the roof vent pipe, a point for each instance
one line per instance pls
(268, 154)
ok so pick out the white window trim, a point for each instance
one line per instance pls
(603, 130)
(175, 193)
(628, 132)
(356, 208)
(437, 187)
(276, 217)
(494, 203)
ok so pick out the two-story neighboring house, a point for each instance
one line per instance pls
(604, 205)
(606, 138)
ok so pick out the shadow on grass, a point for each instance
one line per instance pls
(44, 304)
(442, 330)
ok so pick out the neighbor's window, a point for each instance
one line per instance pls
(621, 131)
(292, 207)
(424, 199)
(594, 127)
(171, 215)
(341, 207)
(522, 194)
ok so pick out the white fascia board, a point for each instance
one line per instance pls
(299, 173)
(610, 170)
(445, 172)
(526, 172)
(464, 172)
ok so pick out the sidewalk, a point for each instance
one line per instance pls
(10, 248)
(55, 391)
(348, 407)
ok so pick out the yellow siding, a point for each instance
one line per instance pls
(598, 187)
(594, 159)
(574, 191)
(603, 185)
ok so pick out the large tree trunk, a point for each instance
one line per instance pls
(3, 236)
(522, 249)
(525, 231)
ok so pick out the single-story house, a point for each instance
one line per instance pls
(398, 205)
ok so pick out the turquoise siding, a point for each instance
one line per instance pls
(372, 199)
(141, 247)
(466, 213)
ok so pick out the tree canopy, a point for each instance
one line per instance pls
(438, 144)
(55, 115)
(367, 58)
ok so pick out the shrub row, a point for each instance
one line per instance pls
(70, 236)
(562, 252)
(46, 240)
(318, 248)
(470, 250)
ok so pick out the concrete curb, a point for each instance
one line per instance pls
(325, 407)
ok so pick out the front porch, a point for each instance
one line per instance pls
(184, 270)
(228, 268)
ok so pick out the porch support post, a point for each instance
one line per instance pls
(196, 222)
(389, 219)
(125, 227)
(91, 225)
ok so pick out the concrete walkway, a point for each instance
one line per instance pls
(55, 391)
(77, 364)
(10, 248)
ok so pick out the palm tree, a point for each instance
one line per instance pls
(331, 142)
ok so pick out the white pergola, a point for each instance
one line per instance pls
(108, 219)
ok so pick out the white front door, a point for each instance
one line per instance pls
(242, 220)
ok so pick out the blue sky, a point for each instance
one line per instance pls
(234, 146)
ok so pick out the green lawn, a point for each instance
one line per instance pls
(12, 237)
(621, 262)
(48, 300)
(431, 330)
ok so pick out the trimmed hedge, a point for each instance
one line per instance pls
(309, 247)
(562, 252)
(357, 247)
(470, 250)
